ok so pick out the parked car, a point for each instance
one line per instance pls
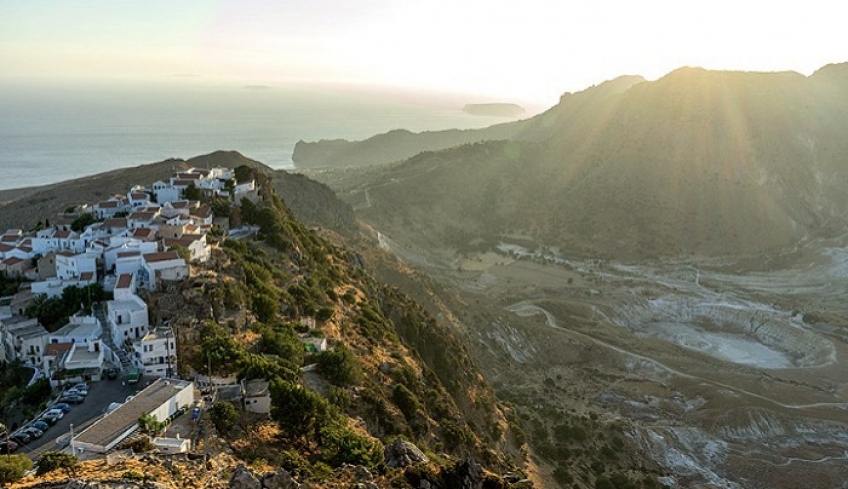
(72, 399)
(63, 406)
(41, 425)
(82, 386)
(32, 432)
(75, 392)
(20, 438)
(49, 419)
(8, 447)
(55, 413)
(111, 373)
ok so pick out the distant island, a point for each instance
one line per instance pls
(494, 110)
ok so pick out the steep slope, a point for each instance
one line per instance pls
(696, 162)
(393, 370)
(339, 416)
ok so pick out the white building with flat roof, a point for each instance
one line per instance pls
(127, 319)
(155, 353)
(161, 399)
(24, 339)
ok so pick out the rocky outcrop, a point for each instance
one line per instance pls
(279, 479)
(401, 453)
(242, 478)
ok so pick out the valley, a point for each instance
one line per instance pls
(726, 372)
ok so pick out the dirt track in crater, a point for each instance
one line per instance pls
(586, 323)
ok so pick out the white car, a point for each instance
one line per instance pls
(82, 386)
(55, 413)
(76, 392)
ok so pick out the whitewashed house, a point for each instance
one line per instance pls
(167, 266)
(128, 262)
(257, 396)
(125, 286)
(86, 359)
(108, 208)
(155, 353)
(127, 319)
(122, 245)
(198, 249)
(24, 339)
(141, 219)
(80, 329)
(72, 266)
(165, 192)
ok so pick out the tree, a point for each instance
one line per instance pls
(218, 351)
(12, 468)
(220, 207)
(338, 366)
(224, 415)
(148, 424)
(192, 192)
(243, 174)
(300, 411)
(54, 460)
(83, 221)
(281, 341)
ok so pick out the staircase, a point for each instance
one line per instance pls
(100, 314)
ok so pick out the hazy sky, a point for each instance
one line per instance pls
(523, 50)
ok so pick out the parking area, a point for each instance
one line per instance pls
(100, 395)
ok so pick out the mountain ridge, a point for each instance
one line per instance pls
(699, 161)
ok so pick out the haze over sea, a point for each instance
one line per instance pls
(51, 134)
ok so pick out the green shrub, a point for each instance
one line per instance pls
(12, 468)
(406, 401)
(132, 475)
(54, 460)
(339, 366)
(224, 415)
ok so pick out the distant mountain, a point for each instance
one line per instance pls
(696, 162)
(398, 145)
(494, 110)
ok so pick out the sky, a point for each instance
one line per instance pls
(530, 50)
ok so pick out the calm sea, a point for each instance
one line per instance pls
(54, 134)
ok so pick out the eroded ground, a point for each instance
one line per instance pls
(733, 372)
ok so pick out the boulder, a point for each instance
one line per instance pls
(279, 479)
(242, 478)
(467, 475)
(401, 453)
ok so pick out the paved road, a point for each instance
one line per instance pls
(82, 415)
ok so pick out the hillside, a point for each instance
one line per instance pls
(311, 201)
(711, 163)
(392, 371)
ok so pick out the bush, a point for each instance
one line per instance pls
(338, 366)
(141, 445)
(53, 460)
(224, 415)
(12, 468)
(341, 445)
(406, 401)
(132, 475)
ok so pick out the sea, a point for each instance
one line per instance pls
(50, 134)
